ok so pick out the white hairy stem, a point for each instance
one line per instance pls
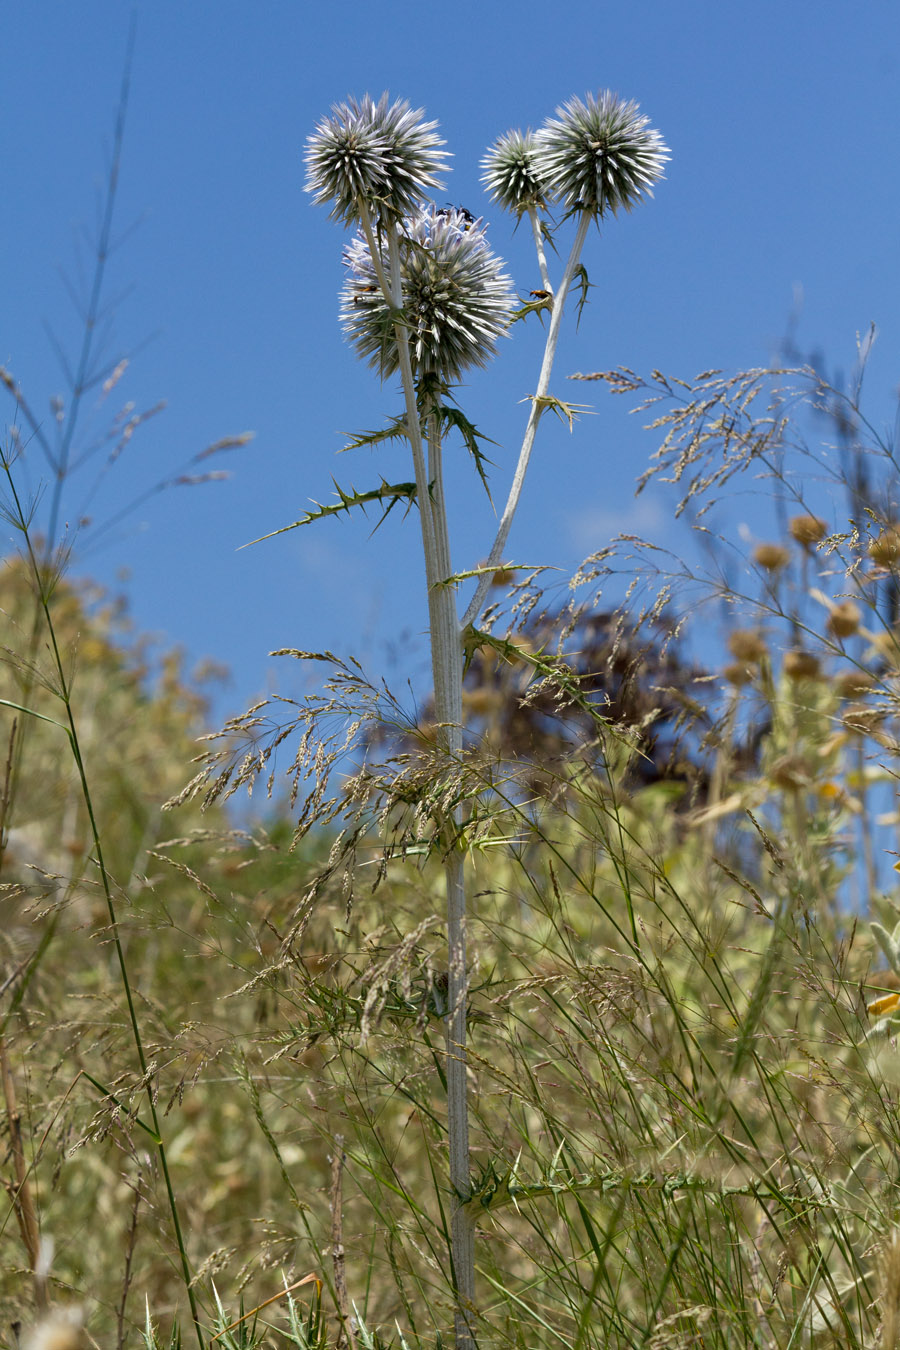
(538, 234)
(447, 671)
(447, 662)
(534, 417)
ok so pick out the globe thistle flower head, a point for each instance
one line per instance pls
(382, 153)
(600, 153)
(512, 174)
(412, 154)
(456, 299)
(345, 160)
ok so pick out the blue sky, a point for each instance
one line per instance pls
(785, 136)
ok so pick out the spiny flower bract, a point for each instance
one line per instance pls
(600, 153)
(512, 174)
(456, 298)
(382, 153)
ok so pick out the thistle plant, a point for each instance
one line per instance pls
(425, 298)
(593, 157)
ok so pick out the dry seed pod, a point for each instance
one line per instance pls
(482, 702)
(844, 619)
(885, 549)
(863, 718)
(853, 684)
(504, 576)
(773, 557)
(747, 645)
(738, 674)
(790, 772)
(807, 530)
(801, 665)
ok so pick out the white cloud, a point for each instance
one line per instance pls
(593, 525)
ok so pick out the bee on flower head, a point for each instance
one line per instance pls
(362, 292)
(465, 219)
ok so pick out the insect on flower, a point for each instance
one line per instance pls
(468, 220)
(362, 292)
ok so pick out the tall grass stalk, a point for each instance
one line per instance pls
(90, 368)
(44, 581)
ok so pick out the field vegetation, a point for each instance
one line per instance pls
(224, 1044)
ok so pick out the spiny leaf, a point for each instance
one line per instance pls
(390, 493)
(470, 572)
(540, 305)
(584, 285)
(473, 638)
(394, 431)
(496, 1188)
(456, 419)
(566, 411)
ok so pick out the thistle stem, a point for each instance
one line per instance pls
(447, 672)
(538, 234)
(446, 655)
(534, 417)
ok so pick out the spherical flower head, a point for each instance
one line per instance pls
(456, 298)
(380, 153)
(413, 154)
(600, 154)
(512, 173)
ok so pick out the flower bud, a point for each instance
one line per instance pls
(863, 718)
(512, 174)
(738, 674)
(790, 772)
(853, 684)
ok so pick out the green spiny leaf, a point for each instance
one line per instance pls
(584, 285)
(394, 431)
(540, 305)
(386, 492)
(456, 419)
